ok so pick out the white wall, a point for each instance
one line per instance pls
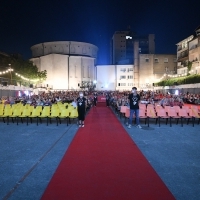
(80, 69)
(106, 77)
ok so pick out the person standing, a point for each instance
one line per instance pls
(81, 104)
(134, 99)
(95, 100)
(107, 99)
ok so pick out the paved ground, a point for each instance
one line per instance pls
(30, 155)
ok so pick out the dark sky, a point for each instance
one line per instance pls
(24, 23)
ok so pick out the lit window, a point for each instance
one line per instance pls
(165, 60)
(123, 69)
(130, 77)
(128, 37)
(122, 77)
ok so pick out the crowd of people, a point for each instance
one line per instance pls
(116, 98)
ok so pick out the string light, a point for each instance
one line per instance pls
(26, 79)
(7, 71)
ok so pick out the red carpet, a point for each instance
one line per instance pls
(103, 163)
(101, 98)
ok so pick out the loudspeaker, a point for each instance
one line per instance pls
(118, 84)
(4, 83)
(78, 84)
(31, 85)
(153, 84)
(47, 85)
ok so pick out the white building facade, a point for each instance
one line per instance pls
(69, 64)
(72, 66)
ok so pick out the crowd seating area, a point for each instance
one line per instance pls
(157, 112)
(29, 112)
(62, 105)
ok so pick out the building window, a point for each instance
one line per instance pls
(130, 84)
(122, 84)
(130, 77)
(165, 60)
(156, 60)
(122, 77)
(130, 69)
(146, 59)
(123, 70)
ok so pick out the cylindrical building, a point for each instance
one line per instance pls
(69, 64)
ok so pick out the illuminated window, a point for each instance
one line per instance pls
(128, 37)
(122, 77)
(122, 69)
(165, 60)
(130, 77)
(130, 69)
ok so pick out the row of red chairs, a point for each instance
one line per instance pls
(158, 113)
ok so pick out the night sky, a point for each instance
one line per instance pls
(26, 23)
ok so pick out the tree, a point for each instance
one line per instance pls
(23, 67)
(189, 67)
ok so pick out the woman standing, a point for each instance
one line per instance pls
(81, 104)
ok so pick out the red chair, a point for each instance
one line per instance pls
(162, 115)
(195, 115)
(142, 114)
(151, 114)
(184, 115)
(172, 115)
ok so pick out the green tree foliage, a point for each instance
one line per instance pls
(191, 79)
(189, 66)
(24, 67)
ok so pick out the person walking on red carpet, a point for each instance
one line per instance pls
(81, 104)
(95, 100)
(134, 99)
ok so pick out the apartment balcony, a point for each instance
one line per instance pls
(180, 49)
(194, 49)
(182, 57)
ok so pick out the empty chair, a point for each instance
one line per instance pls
(45, 114)
(142, 114)
(151, 114)
(186, 108)
(25, 114)
(39, 108)
(172, 115)
(64, 115)
(184, 115)
(35, 114)
(7, 113)
(176, 108)
(73, 114)
(54, 114)
(161, 114)
(16, 114)
(123, 110)
(195, 115)
(166, 108)
(127, 115)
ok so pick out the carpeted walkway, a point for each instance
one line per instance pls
(102, 163)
